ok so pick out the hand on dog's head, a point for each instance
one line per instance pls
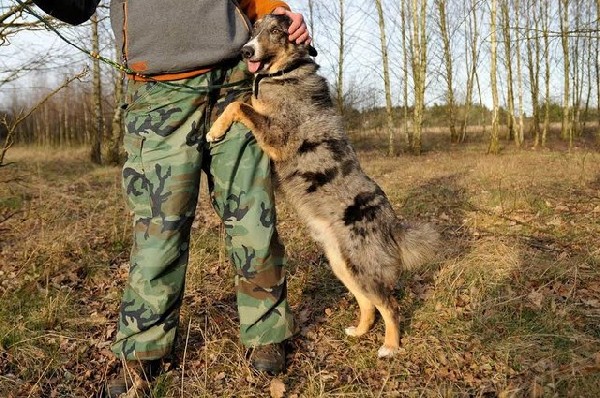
(287, 22)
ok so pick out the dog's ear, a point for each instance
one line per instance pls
(312, 51)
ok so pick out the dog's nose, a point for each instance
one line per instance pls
(247, 51)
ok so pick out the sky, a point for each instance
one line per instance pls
(362, 64)
(362, 59)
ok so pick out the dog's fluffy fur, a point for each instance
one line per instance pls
(294, 121)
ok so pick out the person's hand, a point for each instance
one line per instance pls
(298, 31)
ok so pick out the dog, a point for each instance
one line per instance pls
(295, 122)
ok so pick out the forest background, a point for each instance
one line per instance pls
(481, 117)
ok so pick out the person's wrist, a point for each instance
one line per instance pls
(280, 10)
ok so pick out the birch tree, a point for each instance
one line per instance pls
(386, 78)
(472, 48)
(441, 6)
(566, 126)
(494, 146)
(340, 61)
(519, 132)
(418, 46)
(533, 65)
(96, 142)
(405, 27)
(508, 47)
(546, 37)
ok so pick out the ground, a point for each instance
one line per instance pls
(511, 306)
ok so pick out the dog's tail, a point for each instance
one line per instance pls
(418, 244)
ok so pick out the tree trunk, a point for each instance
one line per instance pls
(597, 72)
(533, 62)
(519, 134)
(407, 133)
(419, 69)
(473, 49)
(506, 37)
(494, 147)
(340, 71)
(450, 102)
(114, 145)
(545, 33)
(98, 133)
(566, 126)
(386, 79)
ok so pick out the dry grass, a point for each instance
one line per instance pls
(510, 308)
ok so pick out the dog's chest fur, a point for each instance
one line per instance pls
(320, 173)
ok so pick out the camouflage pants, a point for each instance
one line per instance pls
(164, 139)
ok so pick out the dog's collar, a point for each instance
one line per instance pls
(259, 76)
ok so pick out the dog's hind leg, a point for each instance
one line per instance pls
(323, 234)
(388, 307)
(382, 299)
(367, 313)
(368, 299)
(367, 308)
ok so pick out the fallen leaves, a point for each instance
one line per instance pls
(277, 388)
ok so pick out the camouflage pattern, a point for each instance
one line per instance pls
(164, 139)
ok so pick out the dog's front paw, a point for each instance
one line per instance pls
(354, 331)
(387, 351)
(213, 136)
(217, 131)
(350, 331)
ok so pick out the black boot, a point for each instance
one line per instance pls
(134, 378)
(269, 358)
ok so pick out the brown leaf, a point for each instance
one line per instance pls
(537, 390)
(536, 298)
(591, 302)
(277, 388)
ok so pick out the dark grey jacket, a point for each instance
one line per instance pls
(156, 37)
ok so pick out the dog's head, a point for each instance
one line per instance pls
(269, 49)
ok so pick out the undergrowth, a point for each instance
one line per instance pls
(511, 306)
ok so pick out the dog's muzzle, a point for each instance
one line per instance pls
(247, 51)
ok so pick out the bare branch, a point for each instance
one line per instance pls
(11, 125)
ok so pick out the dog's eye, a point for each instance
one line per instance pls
(275, 31)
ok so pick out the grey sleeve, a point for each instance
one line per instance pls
(73, 12)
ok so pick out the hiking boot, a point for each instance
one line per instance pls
(133, 379)
(269, 358)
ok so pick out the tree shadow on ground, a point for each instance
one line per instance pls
(445, 202)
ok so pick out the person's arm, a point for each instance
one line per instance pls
(73, 12)
(255, 9)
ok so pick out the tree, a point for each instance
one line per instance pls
(418, 52)
(112, 155)
(507, 39)
(566, 126)
(597, 51)
(386, 78)
(95, 150)
(441, 6)
(533, 65)
(408, 134)
(341, 58)
(494, 146)
(12, 122)
(519, 133)
(471, 61)
(546, 36)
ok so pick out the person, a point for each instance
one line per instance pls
(187, 68)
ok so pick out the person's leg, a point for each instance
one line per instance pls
(161, 182)
(242, 195)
